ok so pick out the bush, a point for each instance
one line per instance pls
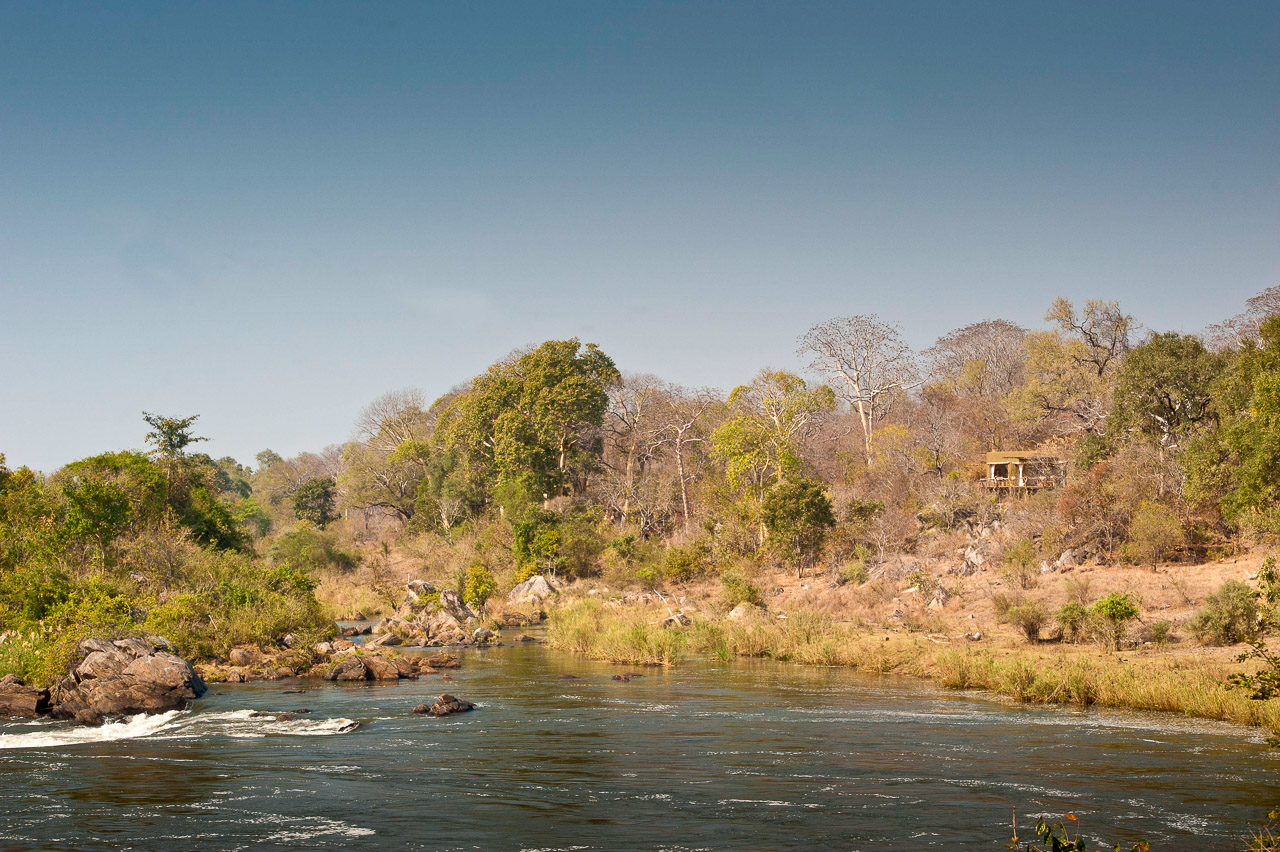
(478, 587)
(1154, 531)
(855, 573)
(686, 563)
(1028, 618)
(1229, 615)
(1113, 614)
(1020, 565)
(737, 589)
(1160, 632)
(1073, 619)
(306, 547)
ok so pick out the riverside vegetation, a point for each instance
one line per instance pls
(846, 497)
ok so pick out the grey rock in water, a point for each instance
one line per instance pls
(445, 705)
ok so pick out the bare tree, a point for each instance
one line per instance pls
(1103, 329)
(982, 359)
(867, 363)
(393, 418)
(682, 429)
(1244, 326)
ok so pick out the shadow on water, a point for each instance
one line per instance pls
(750, 754)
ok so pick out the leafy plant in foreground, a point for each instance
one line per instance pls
(1056, 839)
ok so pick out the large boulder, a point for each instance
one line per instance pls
(452, 604)
(381, 668)
(356, 667)
(18, 699)
(351, 667)
(124, 677)
(534, 590)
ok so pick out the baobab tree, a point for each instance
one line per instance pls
(865, 361)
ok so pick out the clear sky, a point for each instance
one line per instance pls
(268, 214)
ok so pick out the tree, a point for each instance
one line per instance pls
(1101, 327)
(798, 514)
(681, 430)
(170, 436)
(1113, 614)
(1062, 392)
(1154, 531)
(393, 418)
(760, 441)
(866, 361)
(1238, 464)
(1245, 327)
(1164, 388)
(532, 421)
(982, 359)
(314, 501)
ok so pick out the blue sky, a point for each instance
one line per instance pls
(269, 214)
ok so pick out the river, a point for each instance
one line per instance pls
(739, 755)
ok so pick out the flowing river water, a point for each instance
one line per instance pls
(739, 755)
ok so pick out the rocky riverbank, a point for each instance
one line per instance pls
(108, 678)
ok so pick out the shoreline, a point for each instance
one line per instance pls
(1179, 681)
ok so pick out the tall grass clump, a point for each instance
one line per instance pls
(601, 633)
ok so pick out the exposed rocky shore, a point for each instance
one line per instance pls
(108, 678)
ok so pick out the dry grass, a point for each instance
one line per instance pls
(1187, 684)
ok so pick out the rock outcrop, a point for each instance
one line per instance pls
(533, 591)
(123, 677)
(430, 617)
(18, 699)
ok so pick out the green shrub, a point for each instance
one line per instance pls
(1028, 618)
(1160, 632)
(1073, 619)
(1020, 564)
(1113, 614)
(686, 563)
(307, 548)
(736, 589)
(1229, 615)
(479, 586)
(1001, 603)
(854, 573)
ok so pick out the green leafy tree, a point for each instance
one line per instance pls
(97, 511)
(1237, 465)
(478, 587)
(1164, 388)
(531, 422)
(1113, 614)
(798, 514)
(314, 501)
(760, 441)
(170, 436)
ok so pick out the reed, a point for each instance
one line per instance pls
(1080, 675)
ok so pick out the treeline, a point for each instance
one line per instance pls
(555, 461)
